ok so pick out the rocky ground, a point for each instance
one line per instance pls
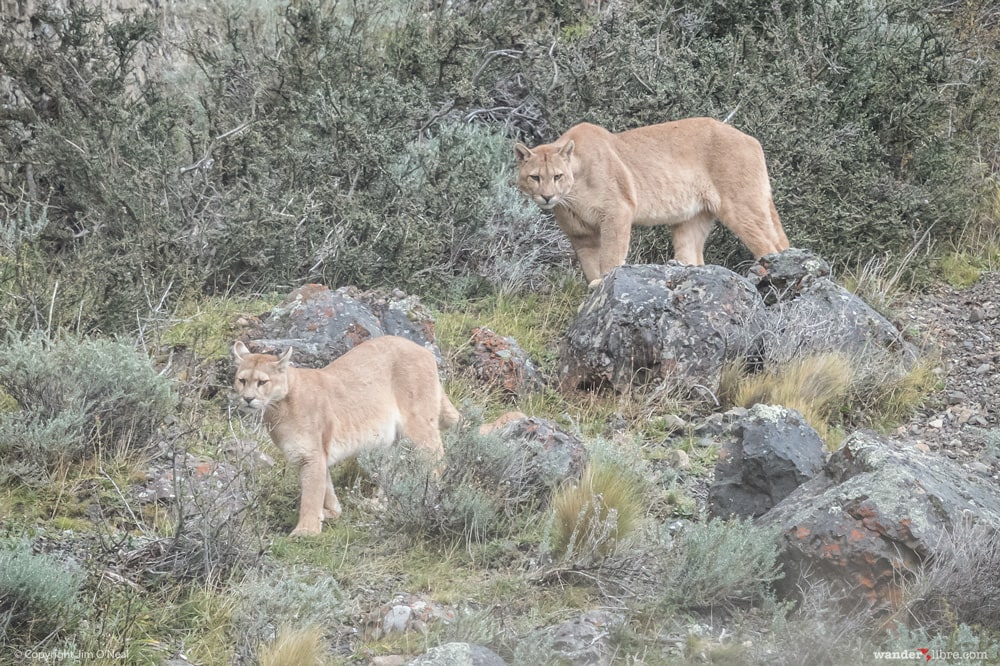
(962, 418)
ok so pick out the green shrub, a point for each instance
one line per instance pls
(268, 602)
(76, 396)
(39, 597)
(480, 489)
(722, 564)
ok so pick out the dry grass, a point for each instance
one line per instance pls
(295, 647)
(593, 516)
(816, 386)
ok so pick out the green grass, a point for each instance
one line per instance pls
(207, 327)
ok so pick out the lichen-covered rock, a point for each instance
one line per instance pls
(549, 455)
(825, 317)
(585, 639)
(781, 276)
(324, 324)
(458, 654)
(675, 323)
(873, 515)
(500, 362)
(807, 312)
(765, 455)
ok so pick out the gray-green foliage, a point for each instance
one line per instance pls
(368, 144)
(483, 484)
(721, 564)
(39, 596)
(72, 397)
(267, 601)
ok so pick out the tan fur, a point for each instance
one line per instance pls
(685, 174)
(382, 389)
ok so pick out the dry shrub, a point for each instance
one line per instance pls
(722, 564)
(961, 582)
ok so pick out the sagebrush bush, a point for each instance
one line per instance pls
(480, 489)
(722, 564)
(39, 596)
(960, 584)
(76, 396)
(268, 603)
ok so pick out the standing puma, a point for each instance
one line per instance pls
(685, 174)
(382, 389)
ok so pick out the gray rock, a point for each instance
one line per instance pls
(458, 654)
(585, 640)
(766, 455)
(874, 515)
(825, 317)
(397, 619)
(675, 323)
(783, 275)
(324, 324)
(549, 454)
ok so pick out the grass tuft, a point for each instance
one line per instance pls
(592, 517)
(295, 647)
(816, 386)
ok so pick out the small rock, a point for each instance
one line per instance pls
(957, 397)
(980, 467)
(673, 422)
(397, 619)
(977, 315)
(922, 447)
(389, 660)
(936, 424)
(459, 654)
(984, 369)
(679, 459)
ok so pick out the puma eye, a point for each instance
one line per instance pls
(261, 382)
(557, 176)
(537, 179)
(242, 381)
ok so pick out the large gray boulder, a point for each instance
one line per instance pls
(807, 312)
(324, 324)
(682, 324)
(764, 456)
(674, 323)
(874, 515)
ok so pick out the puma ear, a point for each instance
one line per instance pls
(284, 359)
(522, 152)
(567, 150)
(240, 350)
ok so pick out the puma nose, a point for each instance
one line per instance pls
(248, 400)
(547, 197)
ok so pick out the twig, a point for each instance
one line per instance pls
(732, 113)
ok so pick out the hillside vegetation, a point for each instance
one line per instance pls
(160, 185)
